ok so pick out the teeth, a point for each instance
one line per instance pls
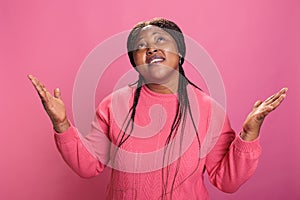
(156, 60)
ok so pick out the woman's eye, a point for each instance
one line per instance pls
(141, 46)
(160, 39)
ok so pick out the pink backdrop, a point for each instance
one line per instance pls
(255, 45)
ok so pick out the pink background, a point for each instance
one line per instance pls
(255, 45)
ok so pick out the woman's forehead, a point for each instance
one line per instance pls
(151, 30)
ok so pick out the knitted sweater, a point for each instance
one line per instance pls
(146, 166)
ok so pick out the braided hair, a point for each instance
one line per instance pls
(183, 105)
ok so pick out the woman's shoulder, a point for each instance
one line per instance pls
(201, 95)
(205, 100)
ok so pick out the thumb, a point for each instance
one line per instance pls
(257, 103)
(57, 93)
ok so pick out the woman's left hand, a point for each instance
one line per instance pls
(260, 110)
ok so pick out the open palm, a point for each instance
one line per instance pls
(260, 110)
(53, 105)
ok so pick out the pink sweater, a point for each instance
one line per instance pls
(137, 168)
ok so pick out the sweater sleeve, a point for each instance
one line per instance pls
(232, 161)
(86, 155)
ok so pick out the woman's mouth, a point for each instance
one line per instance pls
(155, 59)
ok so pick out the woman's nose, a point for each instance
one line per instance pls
(151, 50)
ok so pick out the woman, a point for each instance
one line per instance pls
(186, 134)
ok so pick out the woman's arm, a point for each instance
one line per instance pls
(234, 158)
(75, 149)
(76, 155)
(232, 161)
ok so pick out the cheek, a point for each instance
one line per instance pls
(170, 47)
(172, 50)
(173, 58)
(138, 58)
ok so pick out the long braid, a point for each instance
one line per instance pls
(130, 122)
(183, 105)
(132, 110)
(173, 131)
(182, 96)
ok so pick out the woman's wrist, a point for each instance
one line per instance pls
(248, 136)
(62, 126)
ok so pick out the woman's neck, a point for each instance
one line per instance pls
(162, 88)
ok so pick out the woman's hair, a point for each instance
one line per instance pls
(183, 105)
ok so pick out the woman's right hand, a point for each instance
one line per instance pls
(53, 105)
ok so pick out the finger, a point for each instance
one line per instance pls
(276, 103)
(32, 79)
(257, 103)
(268, 109)
(285, 89)
(40, 88)
(269, 98)
(57, 93)
(274, 97)
(36, 83)
(30, 76)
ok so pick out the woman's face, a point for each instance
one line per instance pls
(156, 56)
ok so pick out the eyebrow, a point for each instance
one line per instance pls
(155, 33)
